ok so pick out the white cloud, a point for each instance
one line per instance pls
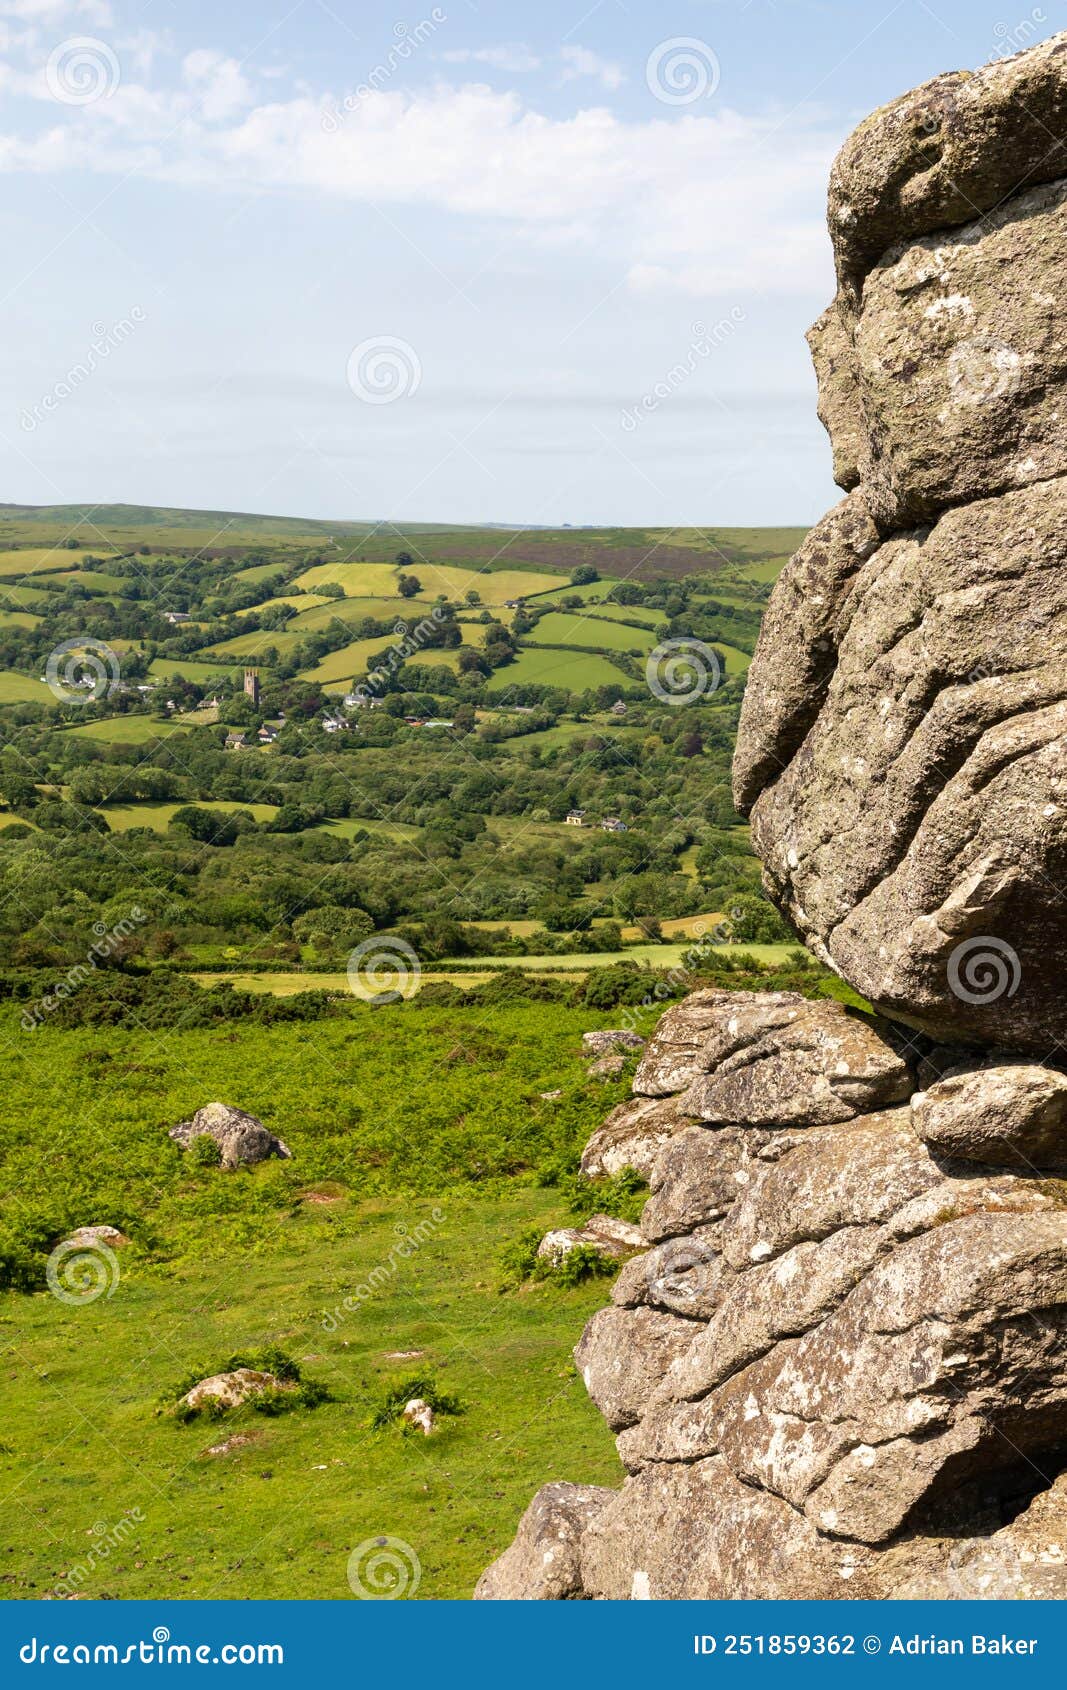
(219, 85)
(710, 205)
(512, 56)
(579, 61)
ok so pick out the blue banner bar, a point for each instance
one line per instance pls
(431, 1645)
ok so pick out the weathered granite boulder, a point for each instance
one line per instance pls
(946, 152)
(633, 1135)
(606, 1039)
(838, 1356)
(1012, 1114)
(839, 1367)
(101, 1233)
(544, 1562)
(961, 357)
(903, 745)
(230, 1390)
(771, 1059)
(919, 833)
(241, 1138)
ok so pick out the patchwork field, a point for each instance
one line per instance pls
(549, 667)
(494, 587)
(192, 668)
(349, 611)
(127, 730)
(255, 643)
(563, 628)
(349, 662)
(305, 601)
(38, 560)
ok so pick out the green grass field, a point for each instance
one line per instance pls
(322, 613)
(19, 619)
(647, 618)
(571, 628)
(280, 1516)
(15, 596)
(347, 663)
(255, 643)
(304, 601)
(548, 667)
(349, 826)
(19, 689)
(122, 817)
(223, 1261)
(192, 668)
(378, 580)
(127, 730)
(37, 560)
(258, 572)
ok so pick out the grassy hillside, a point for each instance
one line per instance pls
(189, 876)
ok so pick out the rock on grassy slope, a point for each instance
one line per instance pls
(838, 1368)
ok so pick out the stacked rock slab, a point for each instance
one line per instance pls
(838, 1367)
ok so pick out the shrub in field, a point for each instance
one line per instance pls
(393, 1397)
(291, 1391)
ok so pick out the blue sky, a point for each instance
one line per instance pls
(462, 262)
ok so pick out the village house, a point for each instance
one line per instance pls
(612, 824)
(237, 741)
(575, 818)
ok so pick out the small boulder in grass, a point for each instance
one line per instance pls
(607, 1067)
(230, 1390)
(606, 1234)
(241, 1138)
(606, 1039)
(419, 1415)
(88, 1236)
